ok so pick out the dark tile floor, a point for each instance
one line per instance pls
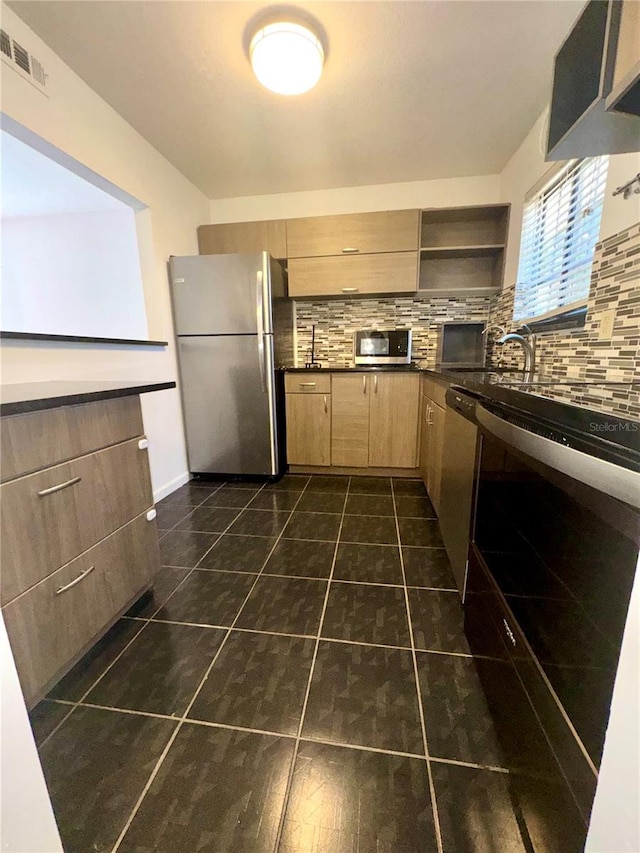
(298, 680)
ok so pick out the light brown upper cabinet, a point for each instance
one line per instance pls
(393, 420)
(268, 236)
(353, 275)
(625, 90)
(353, 234)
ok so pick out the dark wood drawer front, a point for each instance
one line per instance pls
(50, 517)
(52, 623)
(40, 439)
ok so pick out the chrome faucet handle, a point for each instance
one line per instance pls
(496, 327)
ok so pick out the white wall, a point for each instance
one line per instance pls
(442, 193)
(27, 824)
(77, 121)
(84, 278)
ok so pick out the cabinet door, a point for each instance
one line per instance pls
(269, 236)
(393, 424)
(434, 458)
(394, 272)
(308, 429)
(350, 419)
(353, 233)
(423, 456)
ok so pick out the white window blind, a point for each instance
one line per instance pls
(560, 229)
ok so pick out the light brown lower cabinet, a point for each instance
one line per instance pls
(432, 419)
(308, 428)
(350, 420)
(53, 621)
(393, 420)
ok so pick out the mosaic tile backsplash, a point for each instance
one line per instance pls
(337, 320)
(580, 354)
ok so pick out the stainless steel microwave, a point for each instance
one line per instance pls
(379, 346)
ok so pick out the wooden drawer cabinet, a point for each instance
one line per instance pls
(268, 236)
(350, 275)
(353, 233)
(77, 548)
(68, 508)
(308, 429)
(37, 440)
(307, 383)
(50, 624)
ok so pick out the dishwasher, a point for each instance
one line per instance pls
(459, 459)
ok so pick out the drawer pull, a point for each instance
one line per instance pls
(509, 632)
(307, 384)
(375, 384)
(350, 290)
(143, 444)
(151, 514)
(350, 250)
(364, 384)
(80, 577)
(325, 404)
(59, 487)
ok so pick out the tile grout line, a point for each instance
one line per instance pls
(184, 717)
(432, 790)
(294, 757)
(306, 739)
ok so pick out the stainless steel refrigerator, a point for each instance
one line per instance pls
(234, 328)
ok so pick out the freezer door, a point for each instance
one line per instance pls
(229, 406)
(221, 294)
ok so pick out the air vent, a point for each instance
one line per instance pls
(19, 58)
(5, 44)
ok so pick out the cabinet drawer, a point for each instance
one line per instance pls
(352, 275)
(37, 440)
(51, 623)
(268, 236)
(353, 233)
(307, 383)
(43, 527)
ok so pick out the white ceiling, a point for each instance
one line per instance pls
(411, 90)
(34, 185)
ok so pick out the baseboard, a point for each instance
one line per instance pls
(411, 473)
(171, 486)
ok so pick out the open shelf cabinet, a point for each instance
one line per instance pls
(462, 250)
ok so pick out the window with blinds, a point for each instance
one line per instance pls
(560, 229)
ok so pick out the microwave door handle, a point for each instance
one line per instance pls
(613, 480)
(260, 330)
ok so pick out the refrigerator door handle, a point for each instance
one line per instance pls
(260, 327)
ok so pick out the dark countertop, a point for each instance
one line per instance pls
(359, 368)
(36, 396)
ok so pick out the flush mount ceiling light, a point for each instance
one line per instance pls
(286, 58)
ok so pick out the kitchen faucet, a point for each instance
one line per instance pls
(527, 341)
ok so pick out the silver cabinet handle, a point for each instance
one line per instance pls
(509, 632)
(307, 384)
(59, 487)
(260, 329)
(430, 413)
(80, 577)
(350, 290)
(375, 384)
(364, 384)
(325, 404)
(350, 250)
